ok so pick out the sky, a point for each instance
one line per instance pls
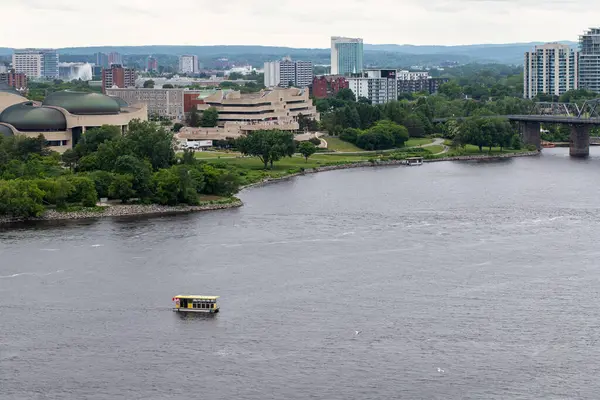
(290, 23)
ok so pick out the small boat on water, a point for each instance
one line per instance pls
(411, 161)
(548, 145)
(196, 304)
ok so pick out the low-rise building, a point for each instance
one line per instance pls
(278, 108)
(328, 85)
(64, 116)
(169, 103)
(14, 79)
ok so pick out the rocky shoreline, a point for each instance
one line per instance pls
(125, 210)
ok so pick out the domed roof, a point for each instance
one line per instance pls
(122, 103)
(27, 117)
(83, 103)
(5, 131)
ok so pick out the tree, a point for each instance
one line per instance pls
(70, 158)
(141, 171)
(94, 137)
(177, 127)
(450, 89)
(167, 86)
(268, 145)
(121, 188)
(307, 149)
(209, 118)
(149, 84)
(193, 118)
(148, 141)
(345, 94)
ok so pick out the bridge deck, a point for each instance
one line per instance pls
(557, 119)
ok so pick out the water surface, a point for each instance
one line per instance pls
(446, 281)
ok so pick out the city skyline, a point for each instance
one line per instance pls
(438, 22)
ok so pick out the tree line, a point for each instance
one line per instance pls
(140, 164)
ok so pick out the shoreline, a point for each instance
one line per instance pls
(127, 210)
(368, 164)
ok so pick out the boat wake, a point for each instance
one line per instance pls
(30, 274)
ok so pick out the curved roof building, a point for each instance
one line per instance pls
(26, 117)
(6, 130)
(82, 103)
(64, 116)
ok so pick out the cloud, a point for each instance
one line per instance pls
(309, 23)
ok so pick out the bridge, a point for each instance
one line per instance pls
(580, 119)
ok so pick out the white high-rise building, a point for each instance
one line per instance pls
(589, 60)
(188, 64)
(552, 69)
(285, 71)
(36, 63)
(346, 55)
(378, 85)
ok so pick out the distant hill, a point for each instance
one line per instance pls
(388, 55)
(510, 53)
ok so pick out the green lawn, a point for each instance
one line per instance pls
(470, 150)
(205, 155)
(434, 149)
(417, 142)
(337, 144)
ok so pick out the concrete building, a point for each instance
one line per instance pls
(551, 69)
(115, 58)
(589, 60)
(346, 55)
(117, 76)
(377, 85)
(64, 116)
(36, 63)
(188, 64)
(327, 85)
(152, 64)
(102, 60)
(268, 109)
(170, 103)
(282, 72)
(14, 80)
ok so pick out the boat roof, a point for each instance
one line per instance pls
(197, 297)
(414, 158)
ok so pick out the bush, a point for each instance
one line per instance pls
(84, 191)
(21, 199)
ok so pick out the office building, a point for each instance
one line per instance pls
(188, 64)
(64, 116)
(285, 71)
(102, 60)
(327, 86)
(589, 60)
(278, 108)
(550, 69)
(117, 76)
(14, 79)
(378, 85)
(36, 63)
(346, 55)
(115, 58)
(168, 103)
(152, 65)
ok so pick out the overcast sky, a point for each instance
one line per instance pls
(293, 23)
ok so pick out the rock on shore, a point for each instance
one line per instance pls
(122, 210)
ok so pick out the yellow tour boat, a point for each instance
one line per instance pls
(199, 304)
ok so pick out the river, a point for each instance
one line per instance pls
(454, 280)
